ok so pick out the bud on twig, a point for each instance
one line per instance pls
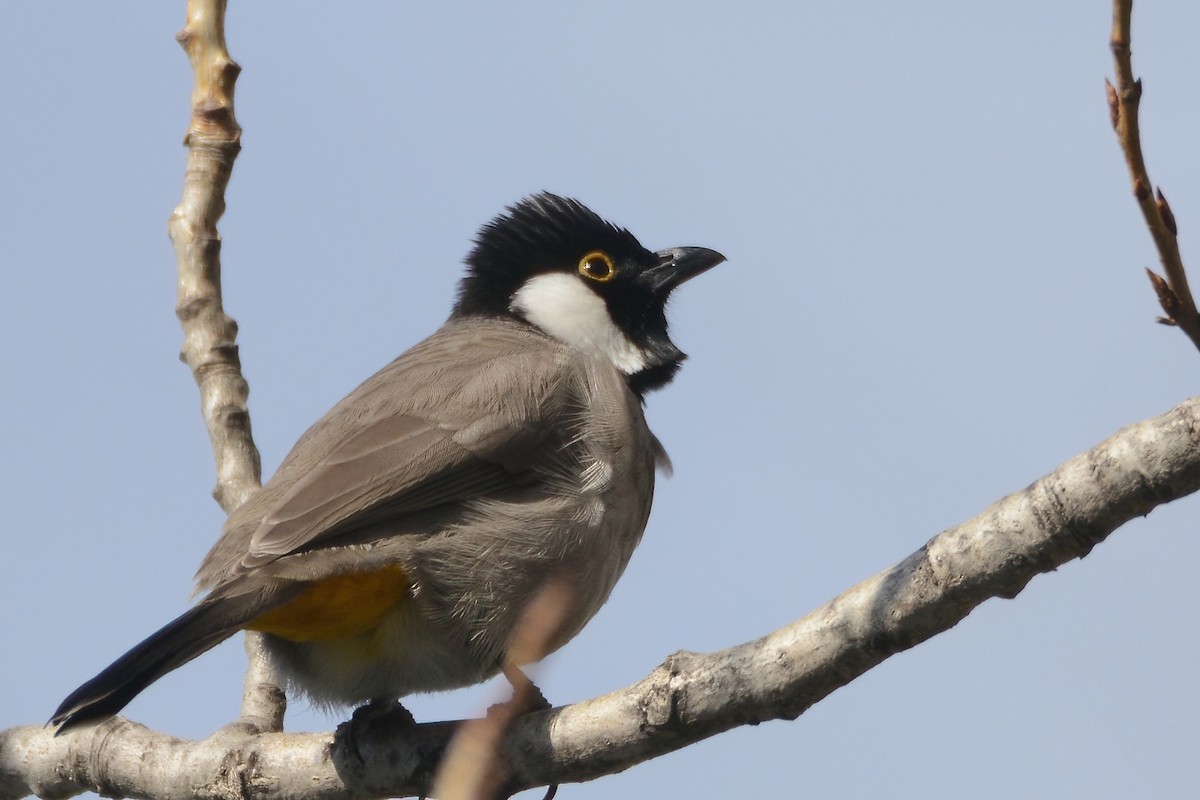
(1168, 217)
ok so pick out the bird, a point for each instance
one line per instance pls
(397, 544)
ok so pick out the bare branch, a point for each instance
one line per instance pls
(1123, 103)
(209, 346)
(692, 696)
(263, 701)
(471, 768)
(209, 334)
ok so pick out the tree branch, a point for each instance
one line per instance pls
(1124, 99)
(209, 346)
(209, 334)
(691, 696)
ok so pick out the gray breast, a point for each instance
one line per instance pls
(576, 528)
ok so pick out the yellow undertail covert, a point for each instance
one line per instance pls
(339, 606)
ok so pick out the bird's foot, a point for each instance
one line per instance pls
(375, 717)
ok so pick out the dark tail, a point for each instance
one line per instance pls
(195, 632)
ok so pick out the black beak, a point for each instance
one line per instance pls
(678, 264)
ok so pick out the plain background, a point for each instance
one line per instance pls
(934, 295)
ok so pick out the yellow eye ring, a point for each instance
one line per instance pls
(597, 266)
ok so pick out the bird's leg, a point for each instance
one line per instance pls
(377, 715)
(382, 711)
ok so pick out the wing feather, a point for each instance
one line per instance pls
(463, 415)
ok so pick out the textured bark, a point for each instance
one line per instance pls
(209, 334)
(691, 696)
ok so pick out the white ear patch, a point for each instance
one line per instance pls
(559, 304)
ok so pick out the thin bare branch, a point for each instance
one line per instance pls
(1123, 103)
(472, 768)
(209, 334)
(691, 696)
(263, 701)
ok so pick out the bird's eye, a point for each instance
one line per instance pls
(597, 266)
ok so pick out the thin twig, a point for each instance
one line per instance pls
(209, 334)
(472, 768)
(1123, 100)
(209, 347)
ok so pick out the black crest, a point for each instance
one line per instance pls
(542, 233)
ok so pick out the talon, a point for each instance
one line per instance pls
(375, 716)
(505, 792)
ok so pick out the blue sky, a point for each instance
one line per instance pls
(934, 295)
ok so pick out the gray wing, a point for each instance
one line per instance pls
(477, 409)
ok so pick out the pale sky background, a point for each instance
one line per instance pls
(934, 296)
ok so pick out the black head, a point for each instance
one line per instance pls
(549, 258)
